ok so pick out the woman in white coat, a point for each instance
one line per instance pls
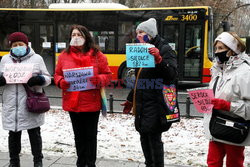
(15, 116)
(231, 71)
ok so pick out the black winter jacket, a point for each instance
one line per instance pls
(149, 101)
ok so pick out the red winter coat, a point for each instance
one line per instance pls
(82, 101)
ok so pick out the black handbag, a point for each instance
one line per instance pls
(232, 129)
(228, 126)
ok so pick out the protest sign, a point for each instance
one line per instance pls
(137, 55)
(17, 72)
(78, 78)
(201, 97)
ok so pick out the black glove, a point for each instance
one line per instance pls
(2, 81)
(37, 80)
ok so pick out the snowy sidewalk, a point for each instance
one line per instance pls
(55, 161)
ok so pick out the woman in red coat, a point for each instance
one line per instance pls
(83, 106)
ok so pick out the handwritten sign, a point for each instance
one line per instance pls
(17, 72)
(78, 78)
(201, 98)
(137, 55)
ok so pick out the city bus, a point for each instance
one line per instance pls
(188, 30)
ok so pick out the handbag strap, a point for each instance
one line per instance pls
(215, 112)
(27, 89)
(215, 84)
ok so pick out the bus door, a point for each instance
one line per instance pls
(185, 40)
(193, 37)
(41, 39)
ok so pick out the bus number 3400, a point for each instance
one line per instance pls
(189, 17)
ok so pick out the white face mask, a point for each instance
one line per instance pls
(77, 41)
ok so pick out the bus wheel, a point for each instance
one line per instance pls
(127, 75)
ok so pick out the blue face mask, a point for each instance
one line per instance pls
(145, 39)
(19, 51)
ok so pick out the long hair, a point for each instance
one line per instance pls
(89, 41)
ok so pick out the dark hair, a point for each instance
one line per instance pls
(89, 42)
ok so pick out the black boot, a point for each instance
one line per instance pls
(36, 146)
(14, 164)
(14, 148)
(38, 164)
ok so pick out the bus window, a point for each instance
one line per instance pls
(63, 36)
(29, 30)
(171, 34)
(8, 20)
(126, 34)
(192, 62)
(105, 40)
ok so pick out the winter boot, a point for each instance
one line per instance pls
(38, 164)
(14, 148)
(14, 164)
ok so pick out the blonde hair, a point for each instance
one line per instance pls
(241, 45)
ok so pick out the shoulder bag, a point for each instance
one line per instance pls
(36, 102)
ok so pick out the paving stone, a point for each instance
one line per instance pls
(58, 161)
(117, 163)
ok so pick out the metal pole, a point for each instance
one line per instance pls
(188, 107)
(111, 101)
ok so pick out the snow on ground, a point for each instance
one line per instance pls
(184, 143)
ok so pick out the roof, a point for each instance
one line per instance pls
(87, 6)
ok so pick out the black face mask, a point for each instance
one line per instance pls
(222, 56)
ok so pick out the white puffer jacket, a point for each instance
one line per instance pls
(233, 85)
(15, 116)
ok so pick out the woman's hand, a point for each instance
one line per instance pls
(127, 107)
(64, 84)
(221, 104)
(36, 80)
(156, 53)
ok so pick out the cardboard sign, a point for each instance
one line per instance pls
(137, 55)
(201, 97)
(78, 78)
(17, 72)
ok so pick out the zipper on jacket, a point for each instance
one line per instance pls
(16, 115)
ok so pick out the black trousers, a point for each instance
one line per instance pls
(152, 148)
(15, 145)
(85, 129)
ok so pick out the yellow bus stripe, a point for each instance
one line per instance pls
(115, 59)
(3, 53)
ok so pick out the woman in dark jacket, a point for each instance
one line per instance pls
(154, 105)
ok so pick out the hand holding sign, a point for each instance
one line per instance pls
(96, 80)
(64, 84)
(201, 98)
(221, 104)
(156, 53)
